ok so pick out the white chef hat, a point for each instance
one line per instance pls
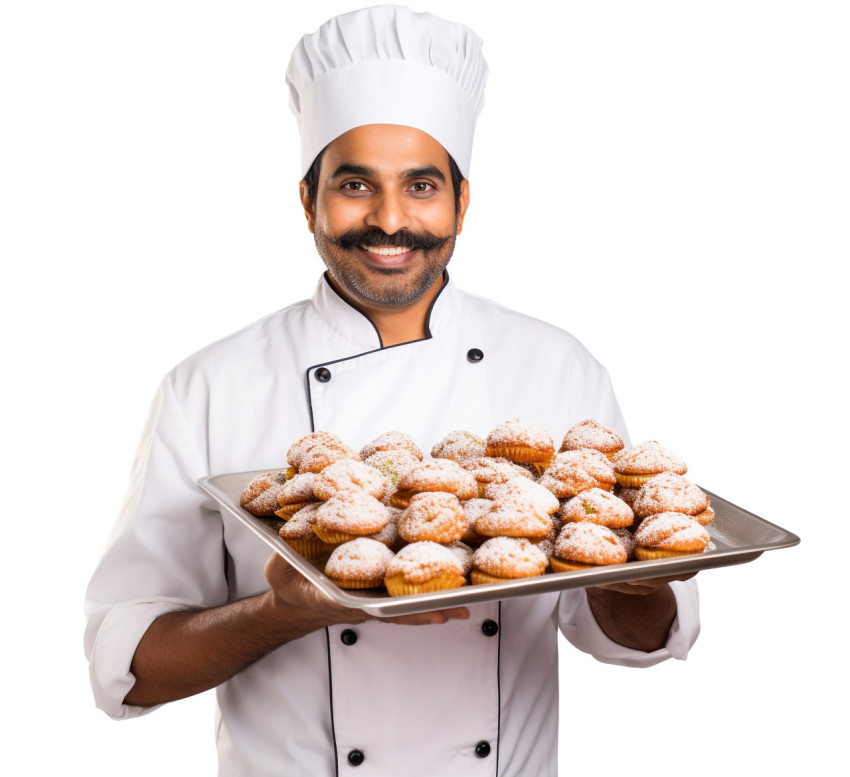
(388, 65)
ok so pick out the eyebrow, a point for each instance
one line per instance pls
(348, 168)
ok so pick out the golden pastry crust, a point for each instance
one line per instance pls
(488, 470)
(422, 567)
(521, 440)
(298, 533)
(514, 516)
(669, 534)
(259, 497)
(636, 465)
(669, 493)
(391, 441)
(347, 474)
(435, 475)
(597, 506)
(296, 493)
(572, 472)
(506, 558)
(459, 446)
(361, 563)
(433, 516)
(348, 515)
(590, 433)
(586, 544)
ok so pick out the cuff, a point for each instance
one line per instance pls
(111, 649)
(581, 629)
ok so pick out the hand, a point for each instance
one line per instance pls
(643, 587)
(294, 591)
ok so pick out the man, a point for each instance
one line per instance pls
(387, 101)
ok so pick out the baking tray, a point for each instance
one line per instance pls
(737, 537)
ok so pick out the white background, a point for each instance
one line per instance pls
(666, 180)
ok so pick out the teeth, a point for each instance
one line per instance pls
(386, 250)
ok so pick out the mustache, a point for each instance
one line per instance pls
(380, 239)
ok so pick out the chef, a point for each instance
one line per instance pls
(185, 599)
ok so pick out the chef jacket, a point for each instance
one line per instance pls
(465, 698)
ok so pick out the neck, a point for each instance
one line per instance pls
(396, 325)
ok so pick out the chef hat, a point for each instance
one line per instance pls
(388, 65)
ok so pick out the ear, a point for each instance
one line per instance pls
(463, 204)
(307, 204)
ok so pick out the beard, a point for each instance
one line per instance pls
(385, 286)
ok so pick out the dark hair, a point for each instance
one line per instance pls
(311, 179)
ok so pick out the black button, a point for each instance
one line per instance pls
(482, 749)
(348, 637)
(356, 757)
(475, 354)
(323, 375)
(490, 628)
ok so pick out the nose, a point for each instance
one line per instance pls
(388, 212)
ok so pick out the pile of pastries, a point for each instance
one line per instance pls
(480, 510)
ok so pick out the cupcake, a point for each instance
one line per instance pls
(487, 470)
(593, 435)
(259, 497)
(422, 567)
(668, 535)
(586, 546)
(597, 506)
(347, 474)
(435, 475)
(349, 515)
(298, 533)
(634, 466)
(295, 494)
(572, 472)
(361, 563)
(391, 441)
(459, 446)
(505, 558)
(669, 492)
(316, 451)
(521, 440)
(433, 516)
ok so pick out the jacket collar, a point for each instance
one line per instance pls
(350, 324)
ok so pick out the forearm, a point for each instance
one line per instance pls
(640, 622)
(190, 651)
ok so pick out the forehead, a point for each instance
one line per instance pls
(388, 149)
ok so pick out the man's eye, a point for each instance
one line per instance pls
(354, 186)
(422, 187)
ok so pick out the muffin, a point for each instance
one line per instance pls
(259, 497)
(521, 440)
(669, 492)
(298, 533)
(572, 472)
(487, 470)
(349, 515)
(295, 494)
(586, 546)
(422, 567)
(597, 506)
(505, 558)
(636, 465)
(391, 441)
(593, 435)
(433, 516)
(347, 474)
(435, 475)
(459, 446)
(361, 563)
(668, 535)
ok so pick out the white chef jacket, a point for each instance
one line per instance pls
(465, 698)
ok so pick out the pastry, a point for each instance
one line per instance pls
(316, 451)
(486, 470)
(361, 563)
(348, 474)
(433, 516)
(295, 494)
(259, 497)
(572, 472)
(585, 546)
(594, 435)
(634, 466)
(435, 475)
(298, 533)
(459, 446)
(505, 558)
(348, 515)
(391, 441)
(422, 567)
(669, 492)
(667, 535)
(597, 506)
(521, 440)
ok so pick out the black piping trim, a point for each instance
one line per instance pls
(333, 288)
(499, 690)
(331, 702)
(374, 350)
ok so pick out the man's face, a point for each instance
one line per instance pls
(384, 219)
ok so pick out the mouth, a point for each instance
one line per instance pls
(387, 255)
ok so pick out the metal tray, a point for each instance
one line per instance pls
(737, 537)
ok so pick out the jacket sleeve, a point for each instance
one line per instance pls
(581, 629)
(166, 552)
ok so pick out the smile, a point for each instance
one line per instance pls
(386, 250)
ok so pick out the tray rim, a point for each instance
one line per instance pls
(387, 606)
